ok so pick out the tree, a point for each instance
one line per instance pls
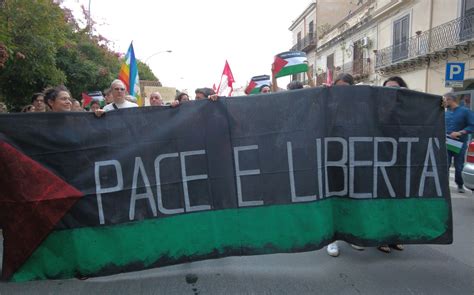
(145, 72)
(31, 32)
(88, 66)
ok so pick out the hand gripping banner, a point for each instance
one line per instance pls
(280, 173)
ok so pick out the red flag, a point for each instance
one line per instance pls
(86, 100)
(32, 201)
(227, 79)
(214, 87)
(329, 77)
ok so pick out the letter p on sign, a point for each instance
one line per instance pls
(455, 71)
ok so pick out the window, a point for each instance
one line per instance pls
(330, 61)
(358, 64)
(400, 38)
(468, 7)
(467, 20)
(311, 31)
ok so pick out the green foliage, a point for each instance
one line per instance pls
(145, 72)
(46, 47)
(32, 31)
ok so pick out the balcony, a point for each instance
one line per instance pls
(307, 44)
(359, 69)
(451, 38)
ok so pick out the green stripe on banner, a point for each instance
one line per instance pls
(290, 70)
(268, 229)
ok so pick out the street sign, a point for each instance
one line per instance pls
(454, 74)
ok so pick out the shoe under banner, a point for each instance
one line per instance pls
(287, 172)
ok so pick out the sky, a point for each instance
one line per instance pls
(201, 34)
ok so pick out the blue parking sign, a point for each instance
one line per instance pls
(454, 74)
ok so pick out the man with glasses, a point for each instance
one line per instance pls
(118, 93)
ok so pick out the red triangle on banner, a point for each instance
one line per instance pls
(32, 201)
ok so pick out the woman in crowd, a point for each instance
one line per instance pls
(182, 97)
(395, 81)
(58, 99)
(94, 106)
(342, 79)
(76, 106)
(398, 82)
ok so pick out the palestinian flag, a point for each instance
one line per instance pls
(289, 63)
(453, 145)
(256, 82)
(86, 100)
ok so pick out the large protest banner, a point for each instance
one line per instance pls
(286, 172)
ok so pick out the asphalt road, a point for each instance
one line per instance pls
(419, 269)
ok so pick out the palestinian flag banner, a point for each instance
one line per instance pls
(83, 196)
(256, 82)
(453, 145)
(289, 63)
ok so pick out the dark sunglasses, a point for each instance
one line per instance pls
(117, 89)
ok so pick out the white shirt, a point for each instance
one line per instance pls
(124, 105)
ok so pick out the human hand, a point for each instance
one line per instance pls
(175, 103)
(444, 103)
(455, 134)
(213, 97)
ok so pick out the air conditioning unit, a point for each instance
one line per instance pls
(365, 42)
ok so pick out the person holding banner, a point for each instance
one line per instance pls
(294, 85)
(58, 99)
(156, 100)
(94, 106)
(204, 93)
(343, 79)
(396, 82)
(119, 102)
(459, 123)
(182, 97)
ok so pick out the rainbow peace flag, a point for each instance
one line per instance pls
(129, 75)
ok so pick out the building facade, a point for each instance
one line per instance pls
(313, 22)
(413, 39)
(418, 38)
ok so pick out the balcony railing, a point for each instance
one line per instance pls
(442, 37)
(305, 44)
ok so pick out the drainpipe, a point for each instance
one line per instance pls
(429, 46)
